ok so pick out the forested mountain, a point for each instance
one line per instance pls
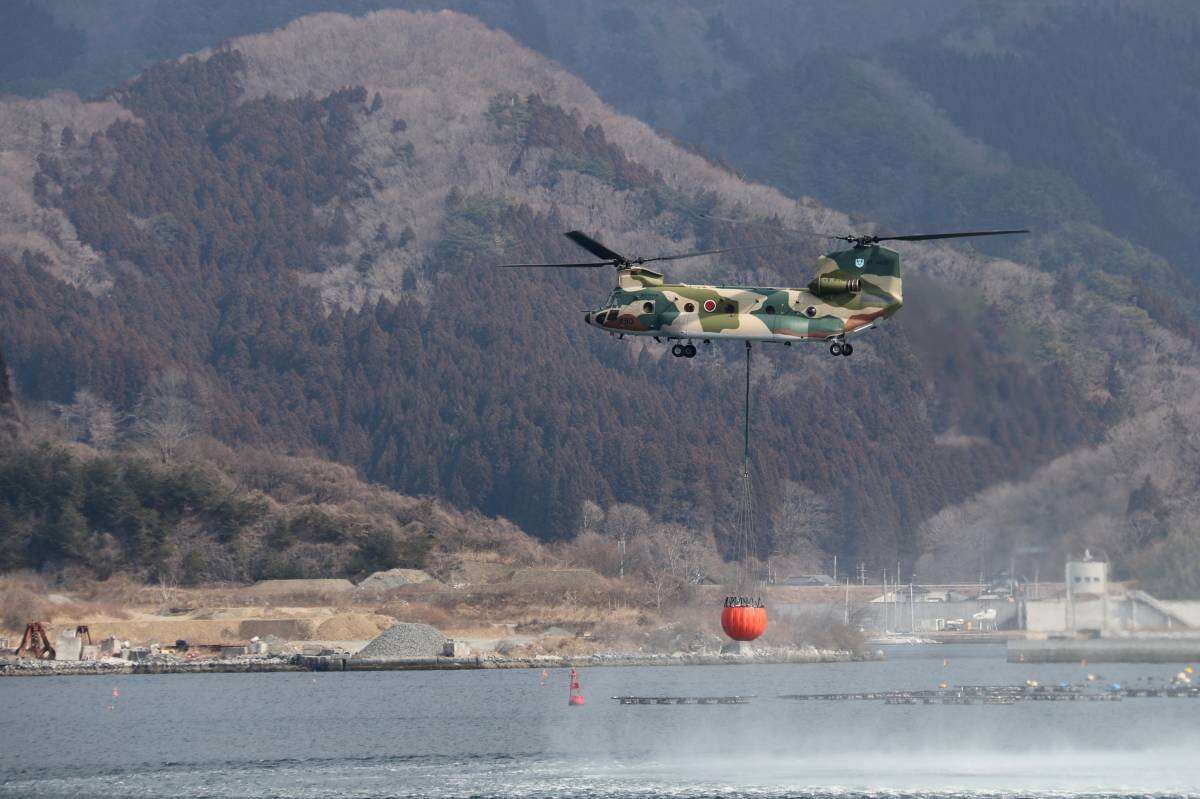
(929, 113)
(643, 54)
(304, 223)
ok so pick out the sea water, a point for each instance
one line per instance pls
(503, 733)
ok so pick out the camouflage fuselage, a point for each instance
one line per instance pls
(853, 290)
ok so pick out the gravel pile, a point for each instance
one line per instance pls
(405, 640)
(393, 578)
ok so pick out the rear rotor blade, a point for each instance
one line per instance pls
(863, 239)
(929, 236)
(594, 247)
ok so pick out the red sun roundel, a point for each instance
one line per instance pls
(710, 305)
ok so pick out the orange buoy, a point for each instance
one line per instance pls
(743, 619)
(574, 698)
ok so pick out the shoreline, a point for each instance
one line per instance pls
(1148, 649)
(310, 663)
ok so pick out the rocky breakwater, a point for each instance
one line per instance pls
(163, 664)
(806, 654)
(402, 641)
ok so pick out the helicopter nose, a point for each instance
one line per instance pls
(587, 317)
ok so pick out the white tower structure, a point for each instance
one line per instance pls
(1087, 580)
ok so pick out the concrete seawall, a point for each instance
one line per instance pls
(1105, 650)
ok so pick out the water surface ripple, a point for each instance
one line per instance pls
(502, 734)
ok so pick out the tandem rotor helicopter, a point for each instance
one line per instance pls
(853, 290)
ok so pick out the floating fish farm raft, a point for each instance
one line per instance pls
(958, 695)
(684, 700)
(971, 694)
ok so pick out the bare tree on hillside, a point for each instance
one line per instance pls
(667, 557)
(168, 414)
(802, 526)
(92, 419)
(591, 517)
(624, 522)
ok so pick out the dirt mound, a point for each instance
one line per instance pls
(226, 614)
(166, 631)
(273, 588)
(405, 640)
(352, 627)
(541, 579)
(287, 629)
(473, 572)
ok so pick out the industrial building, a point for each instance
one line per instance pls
(1087, 603)
(1090, 604)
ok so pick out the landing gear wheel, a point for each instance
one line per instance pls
(847, 349)
(689, 350)
(835, 349)
(677, 350)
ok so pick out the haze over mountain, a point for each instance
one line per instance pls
(305, 221)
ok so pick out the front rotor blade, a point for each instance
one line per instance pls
(594, 247)
(588, 265)
(714, 252)
(929, 236)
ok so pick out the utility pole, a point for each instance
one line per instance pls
(912, 609)
(835, 568)
(886, 611)
(847, 601)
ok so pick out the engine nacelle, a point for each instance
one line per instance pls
(827, 286)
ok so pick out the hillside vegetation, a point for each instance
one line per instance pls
(303, 224)
(154, 535)
(219, 516)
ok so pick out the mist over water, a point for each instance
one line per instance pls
(499, 733)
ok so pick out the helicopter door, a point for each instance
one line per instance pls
(780, 317)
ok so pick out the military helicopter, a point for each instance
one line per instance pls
(853, 291)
